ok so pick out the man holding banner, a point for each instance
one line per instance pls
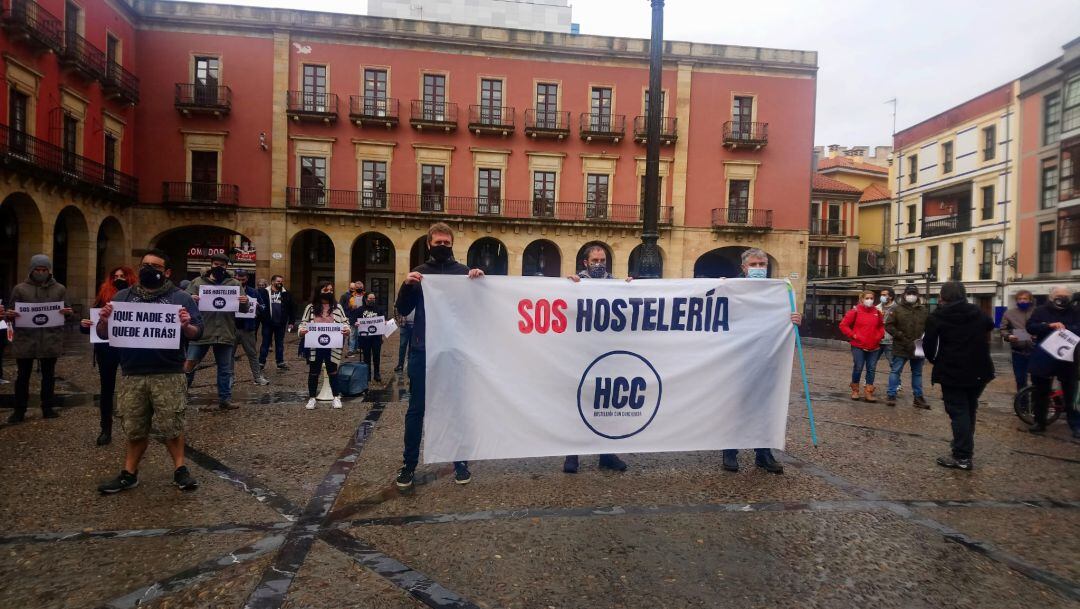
(371, 344)
(219, 296)
(151, 324)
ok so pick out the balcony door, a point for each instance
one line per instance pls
(596, 195)
(207, 70)
(313, 180)
(491, 101)
(373, 185)
(600, 109)
(489, 191)
(17, 120)
(742, 116)
(432, 187)
(832, 262)
(376, 88)
(314, 88)
(204, 175)
(70, 142)
(544, 194)
(434, 97)
(834, 222)
(738, 201)
(547, 106)
(111, 152)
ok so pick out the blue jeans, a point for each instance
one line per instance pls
(760, 454)
(403, 348)
(223, 355)
(277, 335)
(864, 359)
(414, 416)
(1020, 363)
(354, 337)
(916, 375)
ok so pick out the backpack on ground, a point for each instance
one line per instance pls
(353, 379)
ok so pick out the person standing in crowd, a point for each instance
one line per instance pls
(1045, 320)
(219, 331)
(277, 312)
(3, 338)
(246, 329)
(107, 357)
(595, 268)
(371, 346)
(1014, 332)
(907, 324)
(440, 242)
(886, 304)
(957, 344)
(864, 327)
(755, 265)
(352, 302)
(261, 284)
(325, 287)
(323, 310)
(152, 399)
(42, 344)
(405, 325)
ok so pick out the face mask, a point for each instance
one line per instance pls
(39, 276)
(757, 273)
(884, 299)
(1023, 306)
(1060, 302)
(911, 299)
(120, 284)
(150, 277)
(868, 302)
(218, 273)
(598, 270)
(442, 253)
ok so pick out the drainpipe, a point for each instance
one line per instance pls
(1005, 211)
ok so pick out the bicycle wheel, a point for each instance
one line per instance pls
(1022, 405)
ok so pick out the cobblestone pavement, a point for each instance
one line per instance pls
(297, 509)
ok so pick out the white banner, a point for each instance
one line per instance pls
(39, 314)
(94, 338)
(530, 367)
(140, 325)
(1061, 345)
(219, 298)
(371, 326)
(391, 327)
(252, 309)
(324, 336)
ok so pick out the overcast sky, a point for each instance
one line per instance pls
(928, 54)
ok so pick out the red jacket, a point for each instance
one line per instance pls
(864, 327)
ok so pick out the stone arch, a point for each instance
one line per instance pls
(21, 236)
(190, 247)
(635, 258)
(490, 255)
(579, 264)
(111, 248)
(418, 253)
(373, 255)
(726, 262)
(71, 255)
(311, 261)
(541, 258)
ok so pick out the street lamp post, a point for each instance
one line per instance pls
(649, 260)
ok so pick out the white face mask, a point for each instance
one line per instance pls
(884, 299)
(911, 298)
(868, 302)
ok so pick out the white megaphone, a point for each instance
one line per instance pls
(325, 393)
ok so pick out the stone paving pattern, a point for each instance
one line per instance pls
(297, 509)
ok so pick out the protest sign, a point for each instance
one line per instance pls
(1061, 345)
(371, 326)
(324, 336)
(94, 338)
(391, 327)
(252, 309)
(139, 325)
(39, 314)
(219, 298)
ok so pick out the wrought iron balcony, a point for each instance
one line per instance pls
(121, 84)
(602, 127)
(547, 123)
(826, 271)
(740, 134)
(434, 115)
(946, 225)
(986, 270)
(24, 153)
(741, 219)
(198, 98)
(370, 110)
(956, 272)
(493, 120)
(827, 228)
(200, 193)
(310, 106)
(1068, 232)
(26, 20)
(669, 131)
(82, 57)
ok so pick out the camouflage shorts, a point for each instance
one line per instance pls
(152, 405)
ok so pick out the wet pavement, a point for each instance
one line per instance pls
(298, 509)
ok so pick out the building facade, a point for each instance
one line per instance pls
(321, 147)
(834, 229)
(545, 15)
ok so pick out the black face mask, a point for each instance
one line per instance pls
(120, 284)
(1061, 302)
(150, 277)
(218, 273)
(441, 253)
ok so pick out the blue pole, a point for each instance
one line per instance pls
(802, 366)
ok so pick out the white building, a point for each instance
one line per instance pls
(544, 15)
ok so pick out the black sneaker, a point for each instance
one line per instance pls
(282, 366)
(731, 462)
(954, 463)
(404, 478)
(226, 405)
(183, 480)
(49, 413)
(612, 462)
(105, 438)
(122, 482)
(16, 417)
(769, 464)
(397, 368)
(570, 464)
(461, 474)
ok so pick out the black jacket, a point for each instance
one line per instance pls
(957, 343)
(1038, 326)
(288, 308)
(411, 297)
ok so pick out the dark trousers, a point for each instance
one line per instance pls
(1020, 363)
(961, 404)
(3, 343)
(322, 357)
(1041, 404)
(403, 347)
(22, 382)
(414, 416)
(108, 360)
(371, 349)
(760, 454)
(274, 333)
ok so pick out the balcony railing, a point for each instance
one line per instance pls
(829, 227)
(986, 270)
(739, 134)
(512, 209)
(200, 193)
(194, 98)
(547, 123)
(121, 84)
(81, 56)
(602, 126)
(26, 154)
(28, 21)
(312, 106)
(497, 120)
(956, 272)
(373, 110)
(741, 219)
(434, 115)
(946, 225)
(826, 271)
(1068, 232)
(669, 131)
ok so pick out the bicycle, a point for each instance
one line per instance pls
(1023, 407)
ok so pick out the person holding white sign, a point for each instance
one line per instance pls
(323, 310)
(152, 400)
(371, 345)
(219, 333)
(36, 305)
(1048, 319)
(247, 325)
(107, 357)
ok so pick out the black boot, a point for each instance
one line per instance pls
(17, 417)
(105, 437)
(570, 464)
(612, 462)
(47, 412)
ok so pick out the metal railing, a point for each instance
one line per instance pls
(946, 225)
(36, 24)
(200, 193)
(1068, 232)
(79, 54)
(828, 227)
(826, 271)
(311, 103)
(956, 272)
(600, 124)
(669, 127)
(491, 117)
(742, 218)
(27, 154)
(741, 132)
(442, 113)
(193, 95)
(372, 107)
(986, 270)
(123, 83)
(547, 120)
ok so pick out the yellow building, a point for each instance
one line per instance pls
(871, 178)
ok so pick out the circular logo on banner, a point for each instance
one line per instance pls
(40, 319)
(219, 303)
(324, 339)
(371, 329)
(619, 395)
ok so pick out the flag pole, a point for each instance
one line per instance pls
(802, 367)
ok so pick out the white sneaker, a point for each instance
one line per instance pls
(337, 402)
(310, 404)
